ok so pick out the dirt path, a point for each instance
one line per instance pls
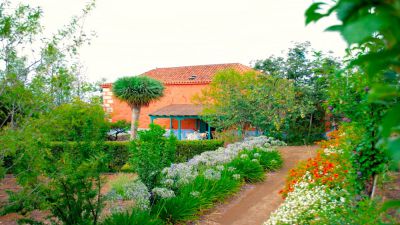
(254, 204)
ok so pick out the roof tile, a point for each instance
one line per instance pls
(185, 74)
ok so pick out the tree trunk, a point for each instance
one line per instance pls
(374, 186)
(309, 128)
(135, 121)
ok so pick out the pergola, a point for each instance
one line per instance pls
(180, 112)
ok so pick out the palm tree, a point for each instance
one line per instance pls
(137, 91)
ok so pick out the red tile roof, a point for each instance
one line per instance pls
(192, 74)
(200, 74)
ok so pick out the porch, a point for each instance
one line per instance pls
(180, 113)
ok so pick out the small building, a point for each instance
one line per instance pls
(175, 110)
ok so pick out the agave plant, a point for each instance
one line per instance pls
(137, 91)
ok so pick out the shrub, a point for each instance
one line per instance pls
(175, 209)
(208, 190)
(66, 182)
(249, 169)
(136, 217)
(118, 153)
(188, 171)
(227, 136)
(188, 149)
(325, 169)
(305, 203)
(366, 211)
(197, 195)
(151, 153)
(128, 188)
(270, 160)
(119, 184)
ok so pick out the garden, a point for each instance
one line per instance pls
(63, 162)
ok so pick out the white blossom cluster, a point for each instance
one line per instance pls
(163, 192)
(183, 173)
(305, 203)
(136, 191)
(332, 150)
(211, 174)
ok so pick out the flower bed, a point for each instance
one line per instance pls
(185, 189)
(306, 201)
(323, 189)
(328, 168)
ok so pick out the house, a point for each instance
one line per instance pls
(175, 110)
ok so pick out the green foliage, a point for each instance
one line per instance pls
(309, 70)
(138, 90)
(372, 30)
(136, 217)
(118, 184)
(249, 169)
(176, 209)
(151, 153)
(211, 191)
(71, 122)
(22, 202)
(270, 160)
(362, 212)
(39, 72)
(239, 101)
(118, 154)
(67, 183)
(200, 194)
(187, 149)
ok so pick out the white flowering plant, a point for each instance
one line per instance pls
(187, 188)
(182, 173)
(305, 204)
(131, 190)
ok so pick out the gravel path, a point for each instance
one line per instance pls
(254, 204)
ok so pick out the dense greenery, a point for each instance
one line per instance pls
(137, 92)
(38, 72)
(118, 153)
(65, 182)
(151, 153)
(185, 150)
(135, 217)
(52, 139)
(246, 101)
(310, 70)
(186, 189)
(370, 99)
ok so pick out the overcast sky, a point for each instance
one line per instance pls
(136, 36)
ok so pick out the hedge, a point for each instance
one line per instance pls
(118, 151)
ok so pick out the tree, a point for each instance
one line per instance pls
(118, 127)
(250, 100)
(309, 70)
(39, 72)
(151, 153)
(66, 181)
(137, 92)
(372, 31)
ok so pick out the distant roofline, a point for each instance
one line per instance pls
(180, 82)
(212, 64)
